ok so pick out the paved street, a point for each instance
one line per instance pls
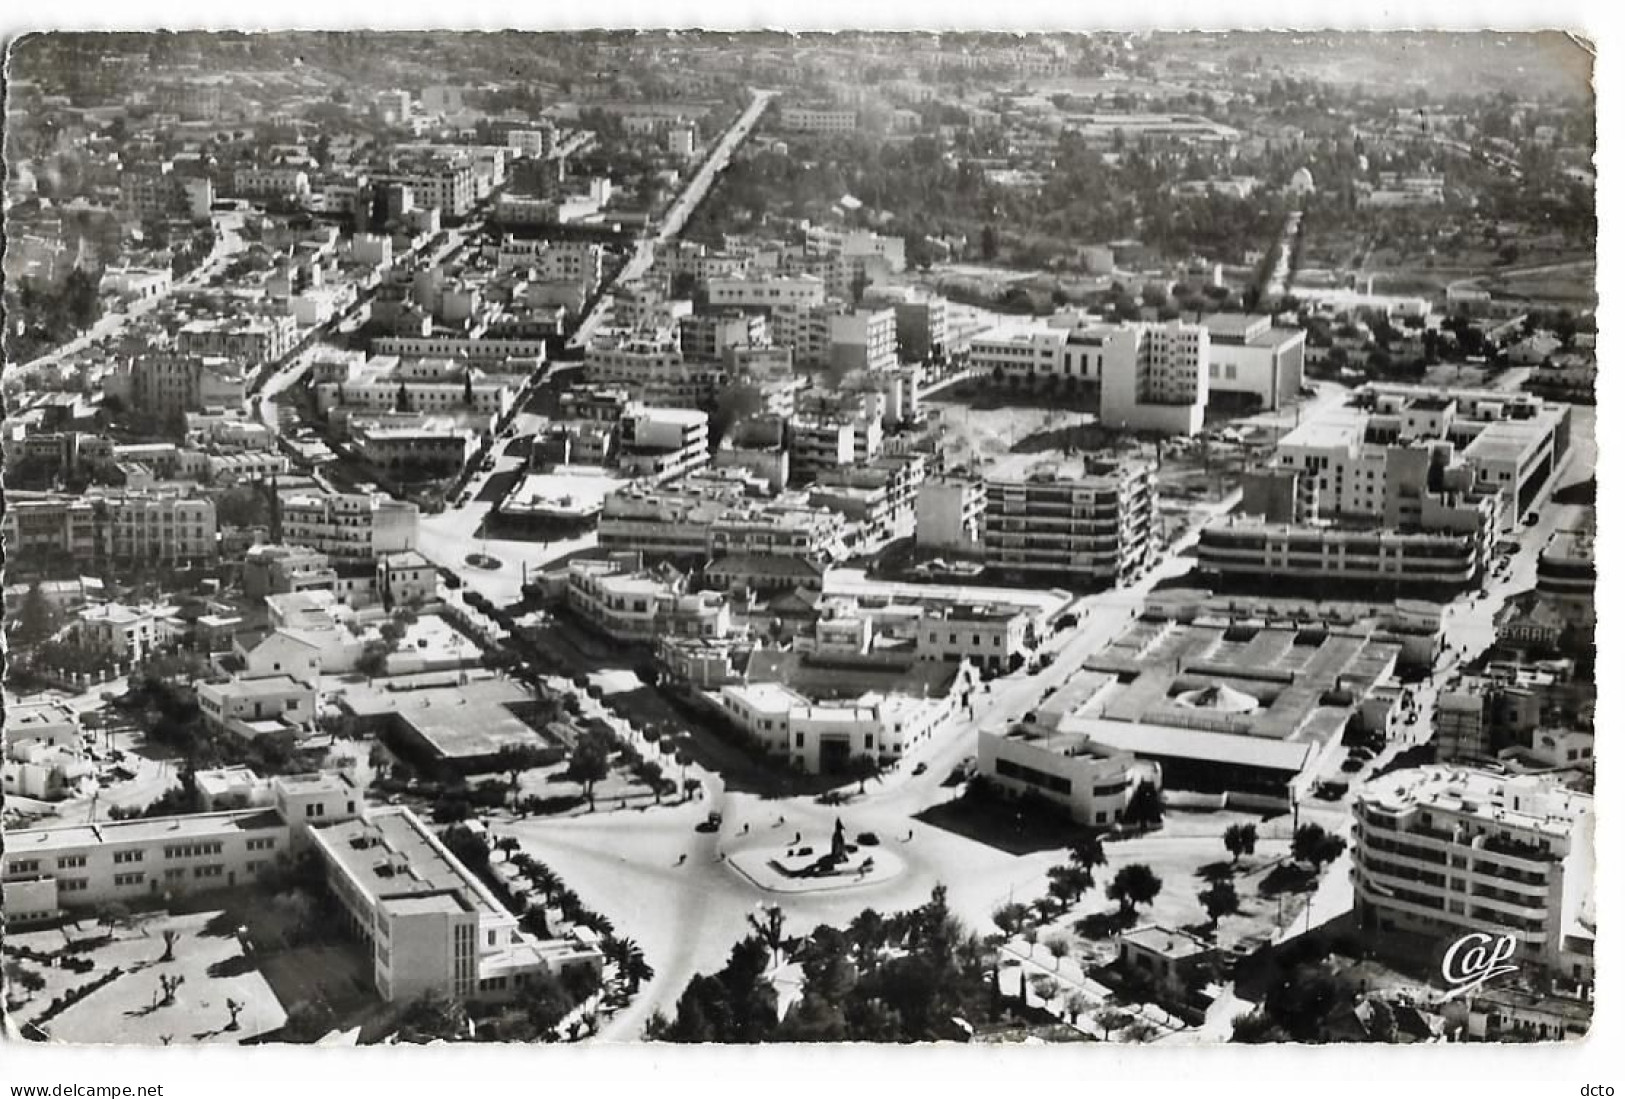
(228, 242)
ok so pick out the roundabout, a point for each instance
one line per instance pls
(815, 867)
(482, 561)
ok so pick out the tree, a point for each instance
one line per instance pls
(1144, 807)
(1009, 918)
(865, 767)
(37, 618)
(1220, 900)
(1313, 844)
(433, 1017)
(589, 764)
(1134, 885)
(468, 846)
(374, 659)
(1088, 852)
(1045, 987)
(1076, 1004)
(546, 1002)
(1240, 839)
(171, 937)
(1068, 882)
(514, 760)
(1058, 945)
(768, 924)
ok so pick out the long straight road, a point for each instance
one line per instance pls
(228, 242)
(677, 214)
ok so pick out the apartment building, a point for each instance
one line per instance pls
(279, 569)
(150, 526)
(413, 445)
(623, 600)
(168, 385)
(1566, 571)
(147, 192)
(576, 261)
(1154, 377)
(1510, 443)
(861, 339)
(995, 640)
(1441, 852)
(270, 181)
(662, 444)
(252, 341)
(819, 120)
(949, 513)
(531, 143)
(1247, 547)
(446, 184)
(703, 517)
(1093, 782)
(922, 321)
(707, 336)
(351, 526)
(635, 363)
(1082, 520)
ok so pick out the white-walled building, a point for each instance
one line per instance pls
(1440, 852)
(1092, 781)
(352, 526)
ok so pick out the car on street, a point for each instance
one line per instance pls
(711, 823)
(919, 768)
(1531, 519)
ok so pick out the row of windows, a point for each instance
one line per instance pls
(192, 850)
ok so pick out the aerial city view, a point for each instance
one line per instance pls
(744, 538)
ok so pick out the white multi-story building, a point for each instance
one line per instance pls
(351, 526)
(662, 444)
(1441, 852)
(388, 383)
(447, 184)
(829, 737)
(1087, 520)
(251, 341)
(819, 120)
(1154, 377)
(626, 602)
(948, 514)
(271, 181)
(1248, 355)
(1092, 781)
(428, 924)
(862, 339)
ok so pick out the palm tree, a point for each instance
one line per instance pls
(1088, 852)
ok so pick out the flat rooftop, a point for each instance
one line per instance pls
(1246, 678)
(1043, 468)
(565, 490)
(1509, 440)
(1167, 942)
(192, 826)
(458, 721)
(1200, 745)
(391, 854)
(1531, 802)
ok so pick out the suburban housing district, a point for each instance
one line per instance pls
(727, 538)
